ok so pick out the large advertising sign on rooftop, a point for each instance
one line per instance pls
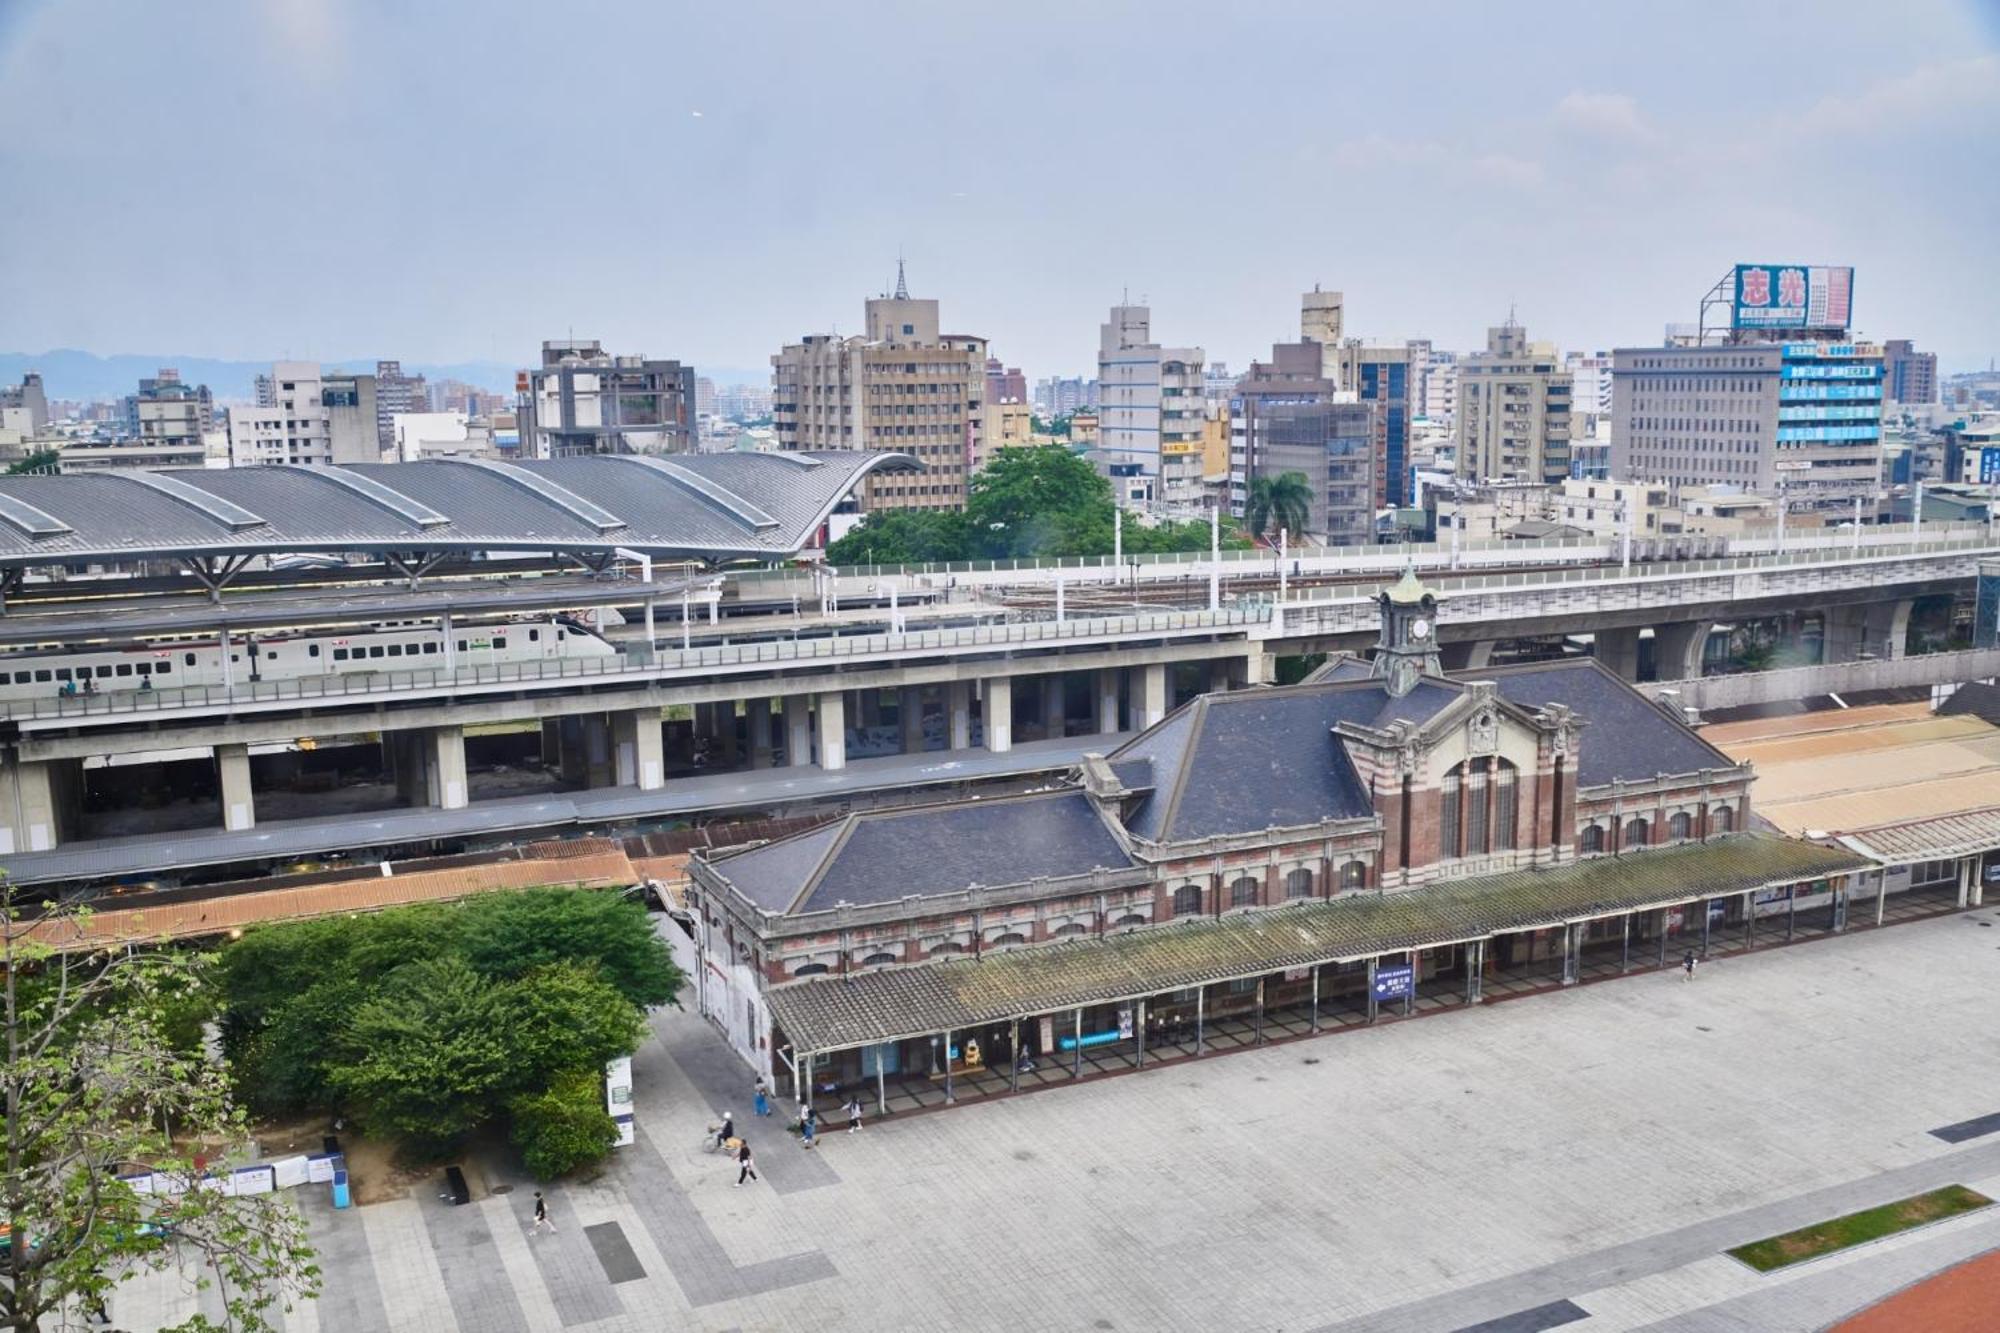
(1792, 296)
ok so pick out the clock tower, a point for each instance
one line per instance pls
(1407, 650)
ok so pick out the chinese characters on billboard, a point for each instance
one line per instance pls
(1792, 296)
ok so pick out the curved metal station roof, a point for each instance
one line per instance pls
(711, 507)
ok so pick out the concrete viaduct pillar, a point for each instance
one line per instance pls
(599, 766)
(832, 730)
(639, 746)
(34, 814)
(1678, 649)
(1054, 705)
(1107, 700)
(997, 715)
(910, 718)
(958, 709)
(239, 807)
(1618, 650)
(1876, 629)
(798, 731)
(1149, 695)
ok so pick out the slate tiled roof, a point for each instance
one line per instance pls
(1258, 759)
(833, 1013)
(1625, 735)
(887, 855)
(1975, 698)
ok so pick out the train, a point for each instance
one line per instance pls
(182, 663)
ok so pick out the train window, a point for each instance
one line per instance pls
(430, 649)
(340, 654)
(124, 668)
(62, 673)
(561, 635)
(145, 668)
(395, 650)
(461, 645)
(534, 636)
(43, 675)
(312, 650)
(103, 671)
(375, 651)
(21, 677)
(162, 667)
(189, 658)
(499, 641)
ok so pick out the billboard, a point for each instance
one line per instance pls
(1792, 296)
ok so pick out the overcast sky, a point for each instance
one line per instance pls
(453, 181)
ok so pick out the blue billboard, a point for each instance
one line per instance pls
(1394, 982)
(1791, 296)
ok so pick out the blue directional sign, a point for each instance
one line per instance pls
(1394, 982)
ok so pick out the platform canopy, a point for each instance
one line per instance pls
(711, 508)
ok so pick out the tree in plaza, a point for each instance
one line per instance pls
(425, 1057)
(510, 934)
(565, 1016)
(564, 1126)
(1284, 501)
(94, 1087)
(1030, 503)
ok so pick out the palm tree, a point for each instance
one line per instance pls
(1279, 502)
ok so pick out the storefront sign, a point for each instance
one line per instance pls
(1393, 983)
(1125, 1022)
(1717, 909)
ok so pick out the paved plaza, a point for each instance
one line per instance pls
(1577, 1159)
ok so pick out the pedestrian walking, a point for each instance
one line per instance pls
(853, 1114)
(726, 1130)
(763, 1106)
(746, 1169)
(542, 1214)
(808, 1123)
(1687, 966)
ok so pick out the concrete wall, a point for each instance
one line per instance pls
(1763, 687)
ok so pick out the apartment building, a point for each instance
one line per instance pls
(306, 416)
(1152, 403)
(1513, 417)
(584, 400)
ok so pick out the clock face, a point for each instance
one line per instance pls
(1420, 629)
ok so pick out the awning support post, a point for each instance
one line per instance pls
(1374, 1005)
(1315, 1008)
(1260, 1011)
(1014, 1048)
(1200, 995)
(1076, 1070)
(948, 1099)
(881, 1082)
(1139, 1030)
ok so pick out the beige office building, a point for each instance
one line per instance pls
(1512, 418)
(902, 387)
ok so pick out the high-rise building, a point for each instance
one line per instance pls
(1060, 397)
(1151, 406)
(396, 394)
(1005, 384)
(1801, 420)
(306, 416)
(1288, 416)
(169, 415)
(904, 386)
(1589, 393)
(1381, 374)
(1908, 376)
(1217, 385)
(583, 400)
(1513, 421)
(1323, 320)
(704, 396)
(28, 397)
(1437, 382)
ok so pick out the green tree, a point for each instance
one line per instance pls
(93, 1087)
(1045, 502)
(565, 1016)
(510, 934)
(903, 537)
(425, 1057)
(563, 1127)
(42, 460)
(1283, 501)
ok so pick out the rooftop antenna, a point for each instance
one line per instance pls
(902, 288)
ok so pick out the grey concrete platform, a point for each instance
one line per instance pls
(1590, 1150)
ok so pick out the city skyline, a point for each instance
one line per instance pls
(1545, 170)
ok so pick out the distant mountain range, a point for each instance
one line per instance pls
(67, 373)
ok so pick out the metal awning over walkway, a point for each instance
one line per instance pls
(836, 1013)
(1944, 838)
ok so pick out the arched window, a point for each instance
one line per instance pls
(809, 970)
(1070, 928)
(1187, 900)
(1243, 892)
(1010, 938)
(1299, 883)
(1680, 827)
(878, 959)
(1591, 839)
(1637, 833)
(946, 946)
(1354, 875)
(1721, 819)
(1129, 919)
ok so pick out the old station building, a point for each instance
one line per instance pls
(1378, 841)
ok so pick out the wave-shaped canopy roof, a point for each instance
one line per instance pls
(707, 507)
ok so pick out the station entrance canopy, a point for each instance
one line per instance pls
(707, 508)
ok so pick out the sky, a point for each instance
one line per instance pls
(455, 181)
